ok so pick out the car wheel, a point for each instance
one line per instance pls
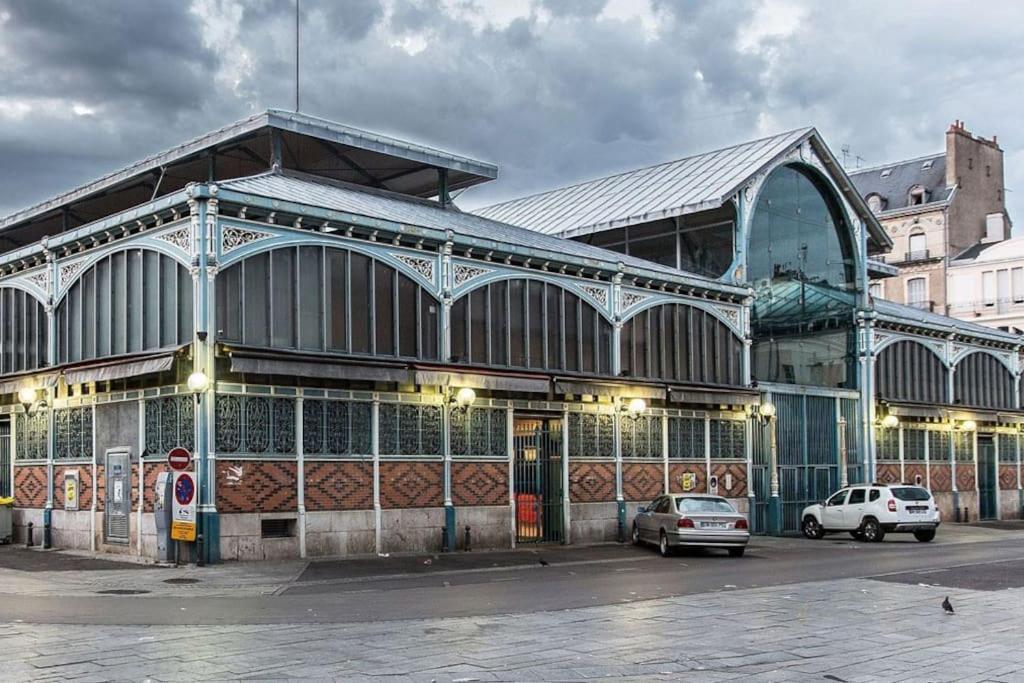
(636, 535)
(925, 535)
(812, 529)
(736, 552)
(872, 531)
(857, 535)
(663, 546)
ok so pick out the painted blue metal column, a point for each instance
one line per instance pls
(203, 207)
(447, 286)
(620, 501)
(51, 395)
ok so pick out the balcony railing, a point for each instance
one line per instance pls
(919, 255)
(982, 307)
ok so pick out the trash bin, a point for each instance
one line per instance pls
(6, 525)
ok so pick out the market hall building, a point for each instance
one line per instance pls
(358, 366)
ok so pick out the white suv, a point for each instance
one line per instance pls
(869, 512)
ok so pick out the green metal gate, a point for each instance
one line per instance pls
(6, 485)
(537, 478)
(987, 478)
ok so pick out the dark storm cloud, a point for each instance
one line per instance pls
(559, 91)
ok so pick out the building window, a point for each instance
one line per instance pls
(988, 287)
(875, 203)
(1018, 285)
(917, 247)
(918, 196)
(917, 292)
(877, 290)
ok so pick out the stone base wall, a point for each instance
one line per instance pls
(340, 532)
(944, 501)
(595, 522)
(241, 537)
(412, 529)
(969, 500)
(1009, 504)
(490, 527)
(71, 529)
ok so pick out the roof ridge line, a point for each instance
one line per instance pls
(892, 164)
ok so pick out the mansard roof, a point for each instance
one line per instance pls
(893, 182)
(688, 185)
(246, 147)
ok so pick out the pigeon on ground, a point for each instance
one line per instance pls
(543, 563)
(948, 606)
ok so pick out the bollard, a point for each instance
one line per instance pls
(444, 539)
(47, 534)
(956, 515)
(967, 515)
(467, 548)
(28, 538)
(199, 551)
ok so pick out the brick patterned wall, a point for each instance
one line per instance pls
(256, 486)
(84, 485)
(1007, 477)
(910, 471)
(591, 482)
(411, 484)
(942, 478)
(101, 486)
(339, 485)
(152, 471)
(30, 486)
(964, 477)
(887, 473)
(675, 477)
(480, 483)
(738, 471)
(642, 481)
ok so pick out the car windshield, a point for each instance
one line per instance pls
(697, 505)
(910, 493)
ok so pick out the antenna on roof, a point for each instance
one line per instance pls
(845, 149)
(296, 56)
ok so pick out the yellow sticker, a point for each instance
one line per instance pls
(183, 531)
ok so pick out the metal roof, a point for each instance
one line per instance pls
(695, 183)
(463, 171)
(892, 182)
(904, 314)
(401, 209)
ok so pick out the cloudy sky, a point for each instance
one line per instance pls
(553, 91)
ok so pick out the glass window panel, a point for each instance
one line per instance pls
(407, 311)
(554, 327)
(119, 300)
(587, 331)
(459, 328)
(360, 294)
(658, 249)
(102, 309)
(168, 309)
(311, 298)
(257, 304)
(429, 309)
(134, 301)
(536, 314)
(499, 323)
(337, 299)
(478, 326)
(229, 311)
(282, 322)
(384, 306)
(572, 336)
(517, 350)
(184, 302)
(151, 290)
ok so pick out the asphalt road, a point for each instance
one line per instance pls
(332, 592)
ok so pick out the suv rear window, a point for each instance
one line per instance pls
(693, 505)
(910, 493)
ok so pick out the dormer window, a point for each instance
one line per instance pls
(918, 196)
(875, 203)
(886, 173)
(926, 165)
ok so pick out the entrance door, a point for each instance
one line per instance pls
(6, 488)
(537, 478)
(118, 504)
(987, 478)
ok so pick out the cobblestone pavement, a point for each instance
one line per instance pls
(849, 630)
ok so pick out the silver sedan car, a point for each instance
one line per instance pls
(688, 519)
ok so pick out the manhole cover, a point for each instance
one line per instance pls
(122, 591)
(180, 582)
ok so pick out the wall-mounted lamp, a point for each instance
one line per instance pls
(890, 421)
(635, 407)
(29, 399)
(968, 426)
(198, 382)
(767, 410)
(462, 399)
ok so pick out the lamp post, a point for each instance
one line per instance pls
(768, 414)
(633, 409)
(844, 477)
(458, 401)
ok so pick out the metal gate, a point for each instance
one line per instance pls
(537, 477)
(6, 485)
(987, 478)
(807, 438)
(118, 503)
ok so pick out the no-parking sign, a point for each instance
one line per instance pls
(183, 511)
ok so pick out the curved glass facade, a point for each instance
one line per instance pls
(801, 263)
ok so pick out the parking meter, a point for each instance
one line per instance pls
(162, 515)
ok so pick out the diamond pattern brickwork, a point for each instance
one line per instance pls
(591, 482)
(30, 486)
(738, 475)
(675, 477)
(256, 486)
(480, 483)
(642, 481)
(964, 476)
(942, 479)
(339, 485)
(911, 471)
(84, 485)
(153, 470)
(887, 473)
(1007, 477)
(411, 484)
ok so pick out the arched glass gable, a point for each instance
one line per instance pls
(128, 301)
(530, 324)
(680, 343)
(910, 371)
(981, 381)
(329, 300)
(23, 331)
(800, 261)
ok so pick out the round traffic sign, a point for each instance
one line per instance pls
(184, 489)
(179, 458)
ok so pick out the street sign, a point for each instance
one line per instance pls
(183, 512)
(179, 458)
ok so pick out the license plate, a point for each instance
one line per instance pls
(917, 510)
(714, 525)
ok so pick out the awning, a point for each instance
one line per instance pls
(714, 397)
(1007, 418)
(12, 385)
(256, 365)
(104, 372)
(583, 387)
(440, 378)
(953, 413)
(917, 411)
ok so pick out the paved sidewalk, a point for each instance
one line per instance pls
(851, 630)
